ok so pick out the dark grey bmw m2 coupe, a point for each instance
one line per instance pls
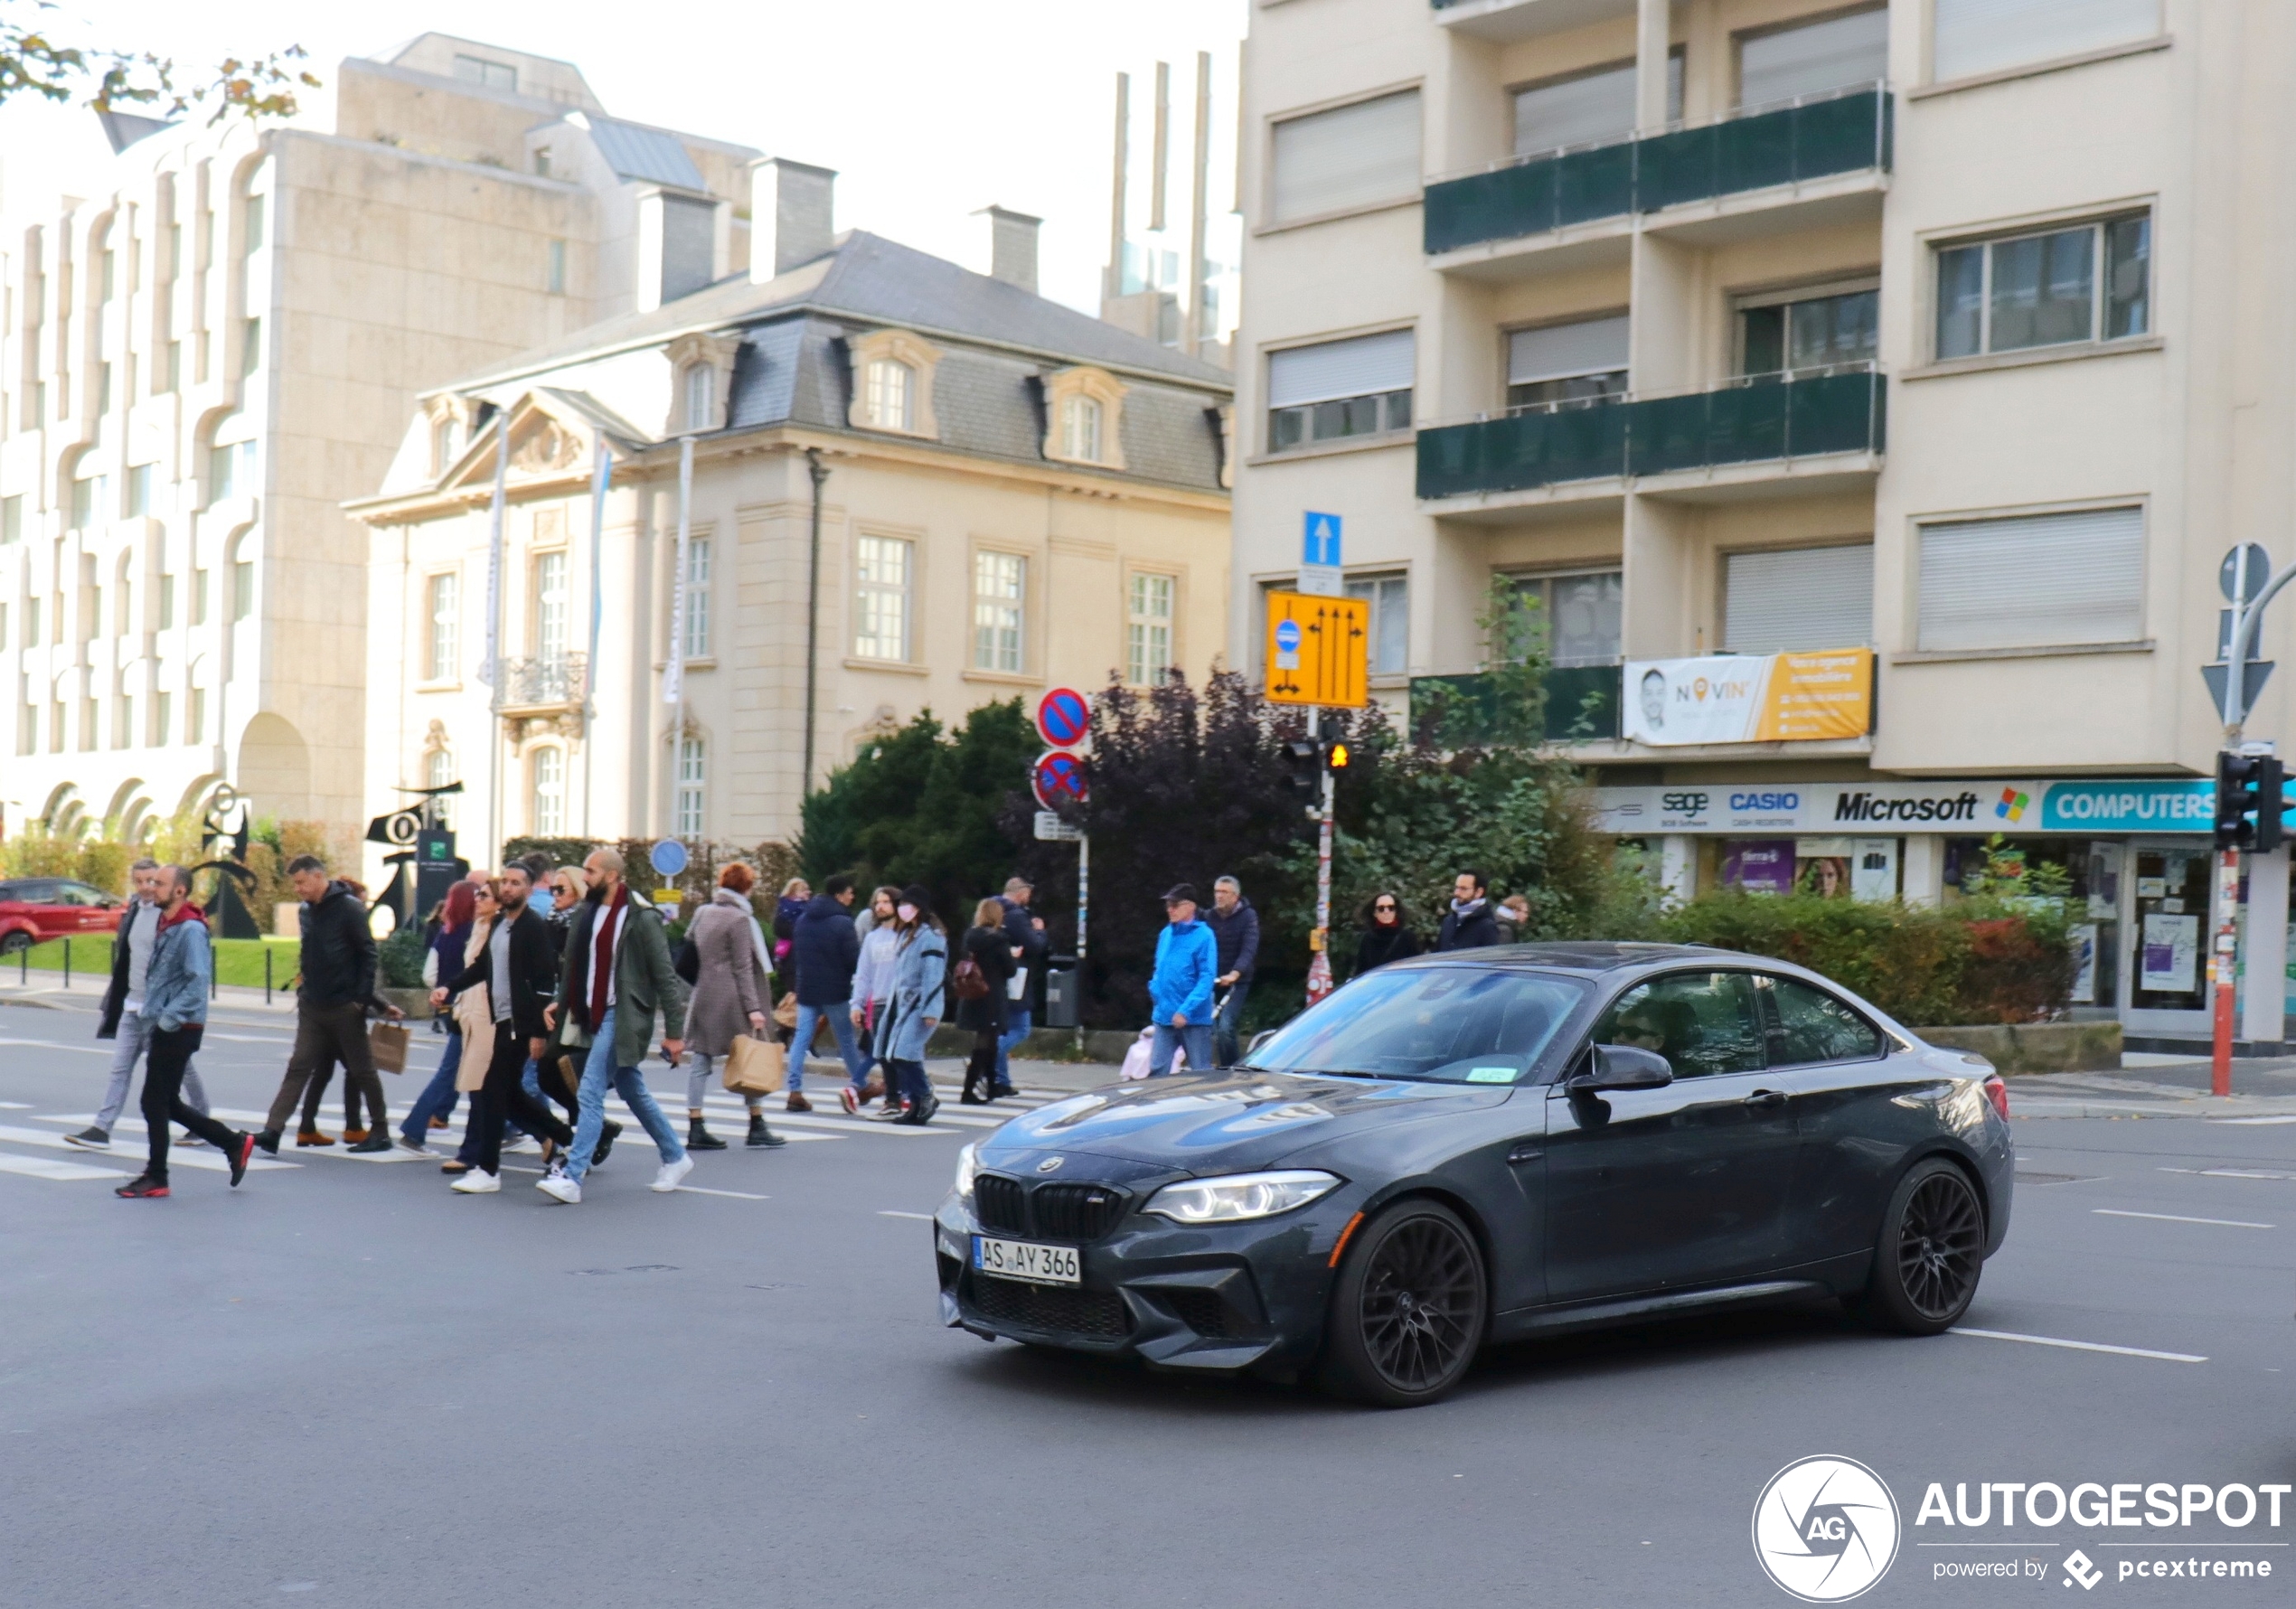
(1488, 1145)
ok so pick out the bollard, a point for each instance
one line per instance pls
(267, 975)
(67, 963)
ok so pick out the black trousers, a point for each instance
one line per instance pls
(164, 1104)
(503, 1096)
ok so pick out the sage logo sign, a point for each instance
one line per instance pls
(1825, 1528)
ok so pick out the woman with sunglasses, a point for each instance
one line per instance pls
(1386, 936)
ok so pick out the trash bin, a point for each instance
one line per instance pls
(1062, 987)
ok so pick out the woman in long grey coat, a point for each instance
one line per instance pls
(732, 995)
(920, 1001)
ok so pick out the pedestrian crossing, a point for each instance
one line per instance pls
(723, 1111)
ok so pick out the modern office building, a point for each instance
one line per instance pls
(1874, 391)
(857, 472)
(199, 362)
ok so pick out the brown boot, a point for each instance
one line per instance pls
(798, 1103)
(352, 1136)
(311, 1136)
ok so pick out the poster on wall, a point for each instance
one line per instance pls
(1821, 866)
(2084, 962)
(1759, 865)
(1750, 698)
(1873, 875)
(2171, 954)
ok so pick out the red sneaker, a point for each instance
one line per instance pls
(140, 1189)
(242, 1149)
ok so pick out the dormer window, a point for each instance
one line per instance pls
(493, 75)
(701, 397)
(1080, 428)
(889, 398)
(442, 445)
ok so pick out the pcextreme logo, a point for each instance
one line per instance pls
(1826, 1529)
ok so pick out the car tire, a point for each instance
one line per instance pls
(13, 942)
(1407, 1310)
(1931, 1252)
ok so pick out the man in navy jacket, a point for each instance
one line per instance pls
(824, 950)
(1235, 927)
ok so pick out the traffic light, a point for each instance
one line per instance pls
(1303, 766)
(1337, 756)
(2250, 799)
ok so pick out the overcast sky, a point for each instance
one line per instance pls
(928, 108)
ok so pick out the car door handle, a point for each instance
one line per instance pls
(1767, 1099)
(1526, 1153)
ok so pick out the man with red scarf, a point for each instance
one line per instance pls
(176, 990)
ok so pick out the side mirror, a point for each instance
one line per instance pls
(1625, 1066)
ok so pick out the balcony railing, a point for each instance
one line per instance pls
(547, 681)
(1747, 421)
(1839, 132)
(1582, 703)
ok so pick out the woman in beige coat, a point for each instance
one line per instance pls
(732, 995)
(474, 1014)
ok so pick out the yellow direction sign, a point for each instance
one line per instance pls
(1319, 650)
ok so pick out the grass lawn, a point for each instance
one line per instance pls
(238, 961)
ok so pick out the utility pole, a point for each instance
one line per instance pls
(2268, 879)
(1319, 965)
(818, 472)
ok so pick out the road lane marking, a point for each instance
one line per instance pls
(2254, 1122)
(42, 1167)
(178, 1156)
(2078, 1346)
(56, 1045)
(696, 1189)
(2178, 1217)
(2230, 1172)
(890, 1212)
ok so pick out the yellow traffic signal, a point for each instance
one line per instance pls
(1339, 757)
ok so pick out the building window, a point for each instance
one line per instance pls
(1811, 58)
(103, 388)
(1587, 108)
(163, 718)
(550, 605)
(106, 273)
(701, 397)
(11, 519)
(1975, 36)
(437, 771)
(2033, 582)
(1350, 156)
(550, 791)
(230, 471)
(1801, 331)
(195, 716)
(2045, 289)
(28, 730)
(1578, 616)
(693, 778)
(1339, 389)
(1080, 428)
(999, 594)
(166, 602)
(1390, 600)
(56, 718)
(174, 249)
(541, 162)
(697, 598)
(1564, 363)
(173, 371)
(442, 625)
(1791, 599)
(32, 623)
(442, 446)
(87, 501)
(556, 277)
(1148, 629)
(89, 717)
(891, 395)
(123, 721)
(243, 590)
(198, 597)
(491, 75)
(139, 491)
(881, 565)
(250, 346)
(254, 224)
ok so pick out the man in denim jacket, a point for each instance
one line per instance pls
(175, 992)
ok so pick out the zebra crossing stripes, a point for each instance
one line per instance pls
(45, 1167)
(178, 1156)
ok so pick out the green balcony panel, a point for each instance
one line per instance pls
(1735, 425)
(1582, 703)
(1493, 206)
(1596, 184)
(1522, 451)
(1835, 413)
(1756, 153)
(1676, 167)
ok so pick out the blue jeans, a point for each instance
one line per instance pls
(437, 1097)
(629, 1083)
(909, 1082)
(839, 1018)
(1196, 1039)
(1223, 1023)
(1016, 1028)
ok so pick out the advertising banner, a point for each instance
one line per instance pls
(1962, 809)
(1749, 698)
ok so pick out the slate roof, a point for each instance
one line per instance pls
(648, 156)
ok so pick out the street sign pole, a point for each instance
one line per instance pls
(2221, 970)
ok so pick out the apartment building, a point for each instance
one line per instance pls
(659, 579)
(198, 364)
(1868, 396)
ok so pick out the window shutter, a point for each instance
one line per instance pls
(1800, 599)
(1350, 156)
(1362, 367)
(1977, 36)
(2034, 581)
(1833, 54)
(1592, 346)
(1578, 111)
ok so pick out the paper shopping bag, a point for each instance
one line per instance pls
(755, 1067)
(387, 1043)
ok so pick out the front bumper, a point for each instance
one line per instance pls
(1218, 1299)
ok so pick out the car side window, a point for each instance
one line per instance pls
(1702, 1023)
(1815, 1027)
(77, 894)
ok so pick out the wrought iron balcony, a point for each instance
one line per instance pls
(546, 682)
(1816, 136)
(1761, 417)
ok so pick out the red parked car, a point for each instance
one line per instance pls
(36, 910)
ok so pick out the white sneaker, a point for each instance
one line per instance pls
(671, 1175)
(561, 1188)
(529, 1146)
(476, 1182)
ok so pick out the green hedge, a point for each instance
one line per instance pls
(1981, 961)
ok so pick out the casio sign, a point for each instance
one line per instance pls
(1682, 804)
(1766, 801)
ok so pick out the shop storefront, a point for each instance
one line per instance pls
(2134, 852)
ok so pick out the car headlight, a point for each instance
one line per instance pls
(1240, 1196)
(966, 1167)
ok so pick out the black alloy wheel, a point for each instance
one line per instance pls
(1932, 1250)
(1408, 1310)
(11, 942)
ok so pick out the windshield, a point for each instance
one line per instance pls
(1449, 1024)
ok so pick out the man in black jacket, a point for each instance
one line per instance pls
(825, 949)
(521, 975)
(1025, 931)
(1235, 927)
(1470, 926)
(338, 972)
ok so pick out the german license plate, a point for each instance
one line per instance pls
(1023, 1259)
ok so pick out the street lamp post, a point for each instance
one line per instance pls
(2268, 883)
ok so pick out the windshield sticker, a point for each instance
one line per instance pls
(1491, 1075)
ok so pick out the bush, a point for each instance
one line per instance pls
(1925, 966)
(401, 959)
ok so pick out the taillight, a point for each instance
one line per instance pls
(1997, 1092)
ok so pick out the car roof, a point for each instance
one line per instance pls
(1591, 956)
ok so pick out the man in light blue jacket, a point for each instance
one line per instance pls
(1181, 988)
(175, 992)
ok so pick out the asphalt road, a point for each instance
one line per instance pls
(346, 1385)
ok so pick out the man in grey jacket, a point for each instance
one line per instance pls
(183, 972)
(123, 1020)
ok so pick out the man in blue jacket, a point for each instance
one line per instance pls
(826, 950)
(176, 990)
(1181, 988)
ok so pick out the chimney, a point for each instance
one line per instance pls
(789, 215)
(1013, 247)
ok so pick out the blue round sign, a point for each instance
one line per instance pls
(1287, 635)
(668, 857)
(1063, 717)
